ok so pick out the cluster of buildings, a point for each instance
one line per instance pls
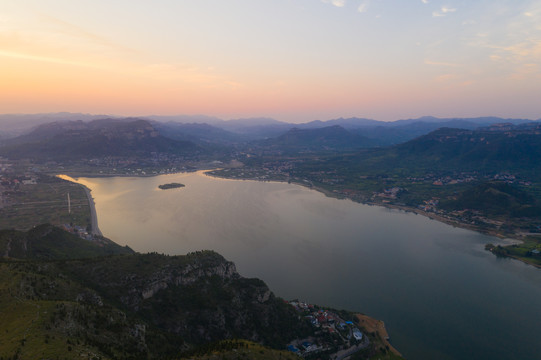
(466, 178)
(79, 231)
(390, 193)
(332, 333)
(429, 205)
(10, 182)
(444, 180)
(511, 179)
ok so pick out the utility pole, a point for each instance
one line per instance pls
(69, 204)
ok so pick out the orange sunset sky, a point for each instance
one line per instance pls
(293, 60)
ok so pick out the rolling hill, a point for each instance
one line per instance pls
(331, 138)
(500, 148)
(495, 199)
(98, 138)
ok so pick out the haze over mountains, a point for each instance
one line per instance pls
(211, 129)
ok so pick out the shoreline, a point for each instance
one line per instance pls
(378, 327)
(328, 193)
(514, 237)
(522, 260)
(91, 204)
(433, 216)
(207, 172)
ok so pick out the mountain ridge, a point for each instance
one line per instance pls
(17, 124)
(103, 137)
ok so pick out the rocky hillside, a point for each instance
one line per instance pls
(199, 297)
(128, 306)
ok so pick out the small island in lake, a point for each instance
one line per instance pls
(171, 186)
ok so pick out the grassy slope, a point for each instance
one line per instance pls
(45, 313)
(49, 242)
(26, 331)
(521, 251)
(241, 349)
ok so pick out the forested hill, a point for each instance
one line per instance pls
(47, 242)
(493, 148)
(503, 148)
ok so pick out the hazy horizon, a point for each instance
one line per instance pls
(201, 118)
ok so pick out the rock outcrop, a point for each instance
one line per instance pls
(199, 296)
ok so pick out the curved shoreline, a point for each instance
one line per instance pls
(504, 237)
(93, 214)
(328, 193)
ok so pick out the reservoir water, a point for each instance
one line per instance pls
(441, 295)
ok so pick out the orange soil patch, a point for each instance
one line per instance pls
(377, 326)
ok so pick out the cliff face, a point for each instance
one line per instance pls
(187, 275)
(132, 280)
(200, 296)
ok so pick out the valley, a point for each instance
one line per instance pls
(484, 179)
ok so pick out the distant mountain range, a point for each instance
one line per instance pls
(492, 149)
(199, 133)
(386, 133)
(331, 138)
(12, 125)
(382, 133)
(90, 137)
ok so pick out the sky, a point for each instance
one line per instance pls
(292, 60)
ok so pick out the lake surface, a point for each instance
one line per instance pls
(441, 295)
